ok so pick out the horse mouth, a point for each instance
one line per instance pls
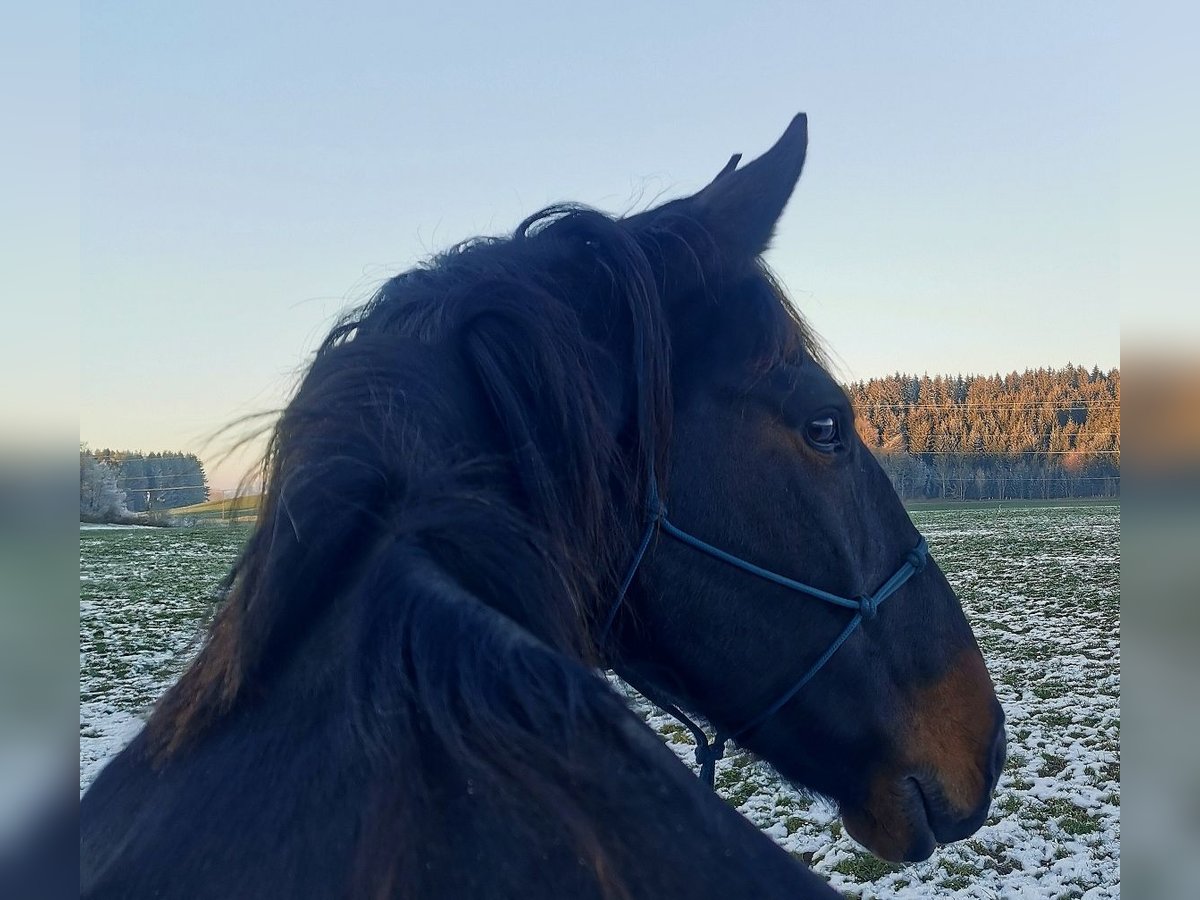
(948, 827)
(909, 820)
(925, 814)
(902, 832)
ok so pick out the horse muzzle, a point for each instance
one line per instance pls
(940, 788)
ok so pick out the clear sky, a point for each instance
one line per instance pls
(248, 173)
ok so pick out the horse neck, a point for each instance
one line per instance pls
(526, 762)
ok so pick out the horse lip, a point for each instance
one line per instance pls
(943, 829)
(921, 840)
(924, 812)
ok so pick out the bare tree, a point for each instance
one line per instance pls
(100, 499)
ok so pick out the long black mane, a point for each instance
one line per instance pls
(547, 326)
(451, 497)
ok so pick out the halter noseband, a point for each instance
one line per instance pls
(865, 607)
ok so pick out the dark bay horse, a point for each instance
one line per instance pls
(466, 517)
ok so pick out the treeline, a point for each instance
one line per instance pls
(153, 482)
(1039, 434)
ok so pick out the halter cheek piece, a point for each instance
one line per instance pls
(865, 607)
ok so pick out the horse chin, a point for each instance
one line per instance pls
(896, 827)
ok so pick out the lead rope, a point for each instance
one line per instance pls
(707, 752)
(865, 608)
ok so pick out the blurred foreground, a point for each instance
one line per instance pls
(1160, 619)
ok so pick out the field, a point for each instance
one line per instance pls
(236, 509)
(1041, 587)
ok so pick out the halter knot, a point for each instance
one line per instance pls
(868, 606)
(656, 510)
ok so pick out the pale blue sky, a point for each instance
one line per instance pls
(246, 174)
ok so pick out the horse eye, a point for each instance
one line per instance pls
(823, 434)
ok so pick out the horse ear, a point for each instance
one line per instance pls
(740, 207)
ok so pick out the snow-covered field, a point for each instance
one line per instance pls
(1040, 586)
(144, 595)
(1042, 590)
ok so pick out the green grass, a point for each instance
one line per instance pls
(1071, 818)
(959, 867)
(673, 730)
(1049, 691)
(865, 867)
(1010, 804)
(1056, 719)
(1052, 764)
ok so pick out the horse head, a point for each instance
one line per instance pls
(886, 707)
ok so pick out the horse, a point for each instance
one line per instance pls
(601, 441)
